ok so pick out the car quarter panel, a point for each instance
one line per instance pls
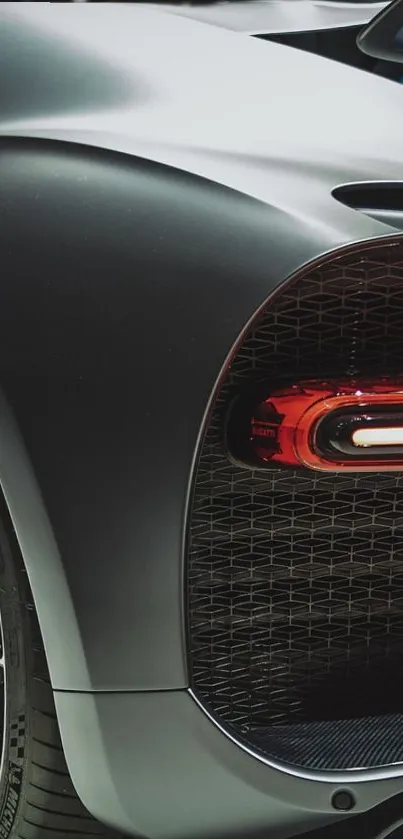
(124, 286)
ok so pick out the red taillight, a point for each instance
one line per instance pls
(331, 426)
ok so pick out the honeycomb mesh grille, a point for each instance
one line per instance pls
(295, 579)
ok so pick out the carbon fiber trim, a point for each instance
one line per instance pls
(363, 742)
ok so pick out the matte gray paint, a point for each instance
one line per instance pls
(228, 209)
(167, 772)
(287, 143)
(149, 219)
(392, 217)
(103, 348)
(39, 550)
(254, 17)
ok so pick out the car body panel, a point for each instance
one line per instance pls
(264, 194)
(264, 17)
(151, 201)
(238, 795)
(238, 172)
(86, 405)
(221, 121)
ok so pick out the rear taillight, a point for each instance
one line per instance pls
(330, 426)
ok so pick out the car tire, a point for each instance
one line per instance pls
(37, 797)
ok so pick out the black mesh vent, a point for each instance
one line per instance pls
(295, 579)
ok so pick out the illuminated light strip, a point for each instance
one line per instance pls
(378, 437)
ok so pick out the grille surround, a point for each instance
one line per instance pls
(280, 562)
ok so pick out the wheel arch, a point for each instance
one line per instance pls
(40, 553)
(111, 243)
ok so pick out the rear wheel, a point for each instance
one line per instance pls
(37, 798)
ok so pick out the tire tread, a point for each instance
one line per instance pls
(51, 807)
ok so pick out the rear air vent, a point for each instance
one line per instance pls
(295, 578)
(381, 200)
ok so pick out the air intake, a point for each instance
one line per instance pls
(295, 577)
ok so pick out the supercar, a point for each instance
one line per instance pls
(201, 431)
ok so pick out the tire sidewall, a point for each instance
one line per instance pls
(14, 612)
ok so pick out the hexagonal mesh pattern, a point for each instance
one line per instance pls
(295, 579)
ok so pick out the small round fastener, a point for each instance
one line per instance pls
(343, 800)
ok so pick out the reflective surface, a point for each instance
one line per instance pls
(255, 17)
